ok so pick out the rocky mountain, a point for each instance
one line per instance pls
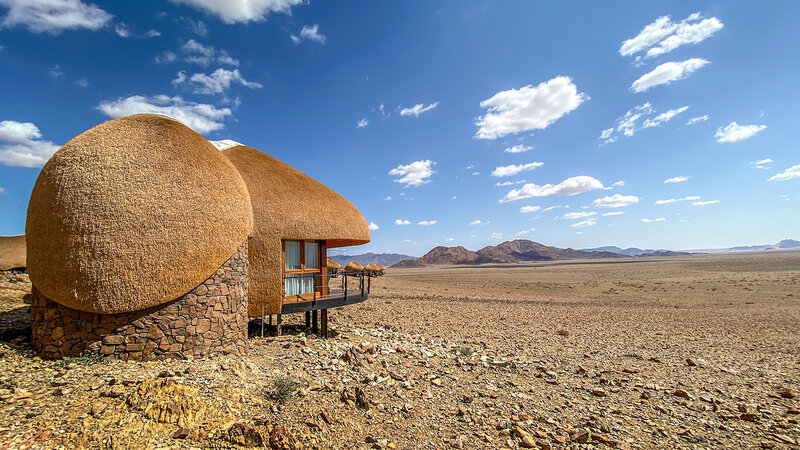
(385, 259)
(515, 251)
(786, 244)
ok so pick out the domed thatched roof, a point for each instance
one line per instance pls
(353, 267)
(333, 264)
(288, 204)
(372, 267)
(381, 267)
(12, 252)
(133, 213)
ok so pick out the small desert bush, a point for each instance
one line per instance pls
(285, 386)
(466, 352)
(562, 332)
(86, 359)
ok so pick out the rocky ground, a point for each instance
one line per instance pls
(700, 352)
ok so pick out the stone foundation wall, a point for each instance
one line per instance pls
(211, 318)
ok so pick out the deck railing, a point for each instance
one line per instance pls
(347, 283)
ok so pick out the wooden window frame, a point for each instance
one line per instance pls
(322, 262)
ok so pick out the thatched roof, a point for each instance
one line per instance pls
(333, 264)
(12, 252)
(133, 213)
(353, 267)
(381, 267)
(372, 267)
(288, 204)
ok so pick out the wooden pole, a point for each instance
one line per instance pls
(308, 319)
(324, 320)
(280, 320)
(314, 327)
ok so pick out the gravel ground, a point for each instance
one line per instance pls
(695, 352)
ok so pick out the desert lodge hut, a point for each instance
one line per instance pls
(144, 241)
(12, 253)
(333, 268)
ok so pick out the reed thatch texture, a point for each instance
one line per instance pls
(12, 252)
(373, 268)
(288, 204)
(333, 264)
(353, 267)
(133, 213)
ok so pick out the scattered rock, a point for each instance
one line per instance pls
(244, 434)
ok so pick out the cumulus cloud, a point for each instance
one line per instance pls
(362, 123)
(402, 222)
(675, 200)
(667, 73)
(678, 179)
(614, 213)
(584, 224)
(201, 117)
(663, 117)
(21, 145)
(704, 203)
(578, 215)
(663, 35)
(761, 164)
(524, 232)
(418, 109)
(233, 11)
(196, 53)
(449, 239)
(373, 226)
(427, 223)
(528, 108)
(615, 201)
(309, 33)
(529, 209)
(570, 186)
(697, 119)
(415, 174)
(659, 219)
(788, 174)
(480, 222)
(217, 82)
(506, 171)
(124, 31)
(735, 132)
(519, 148)
(53, 16)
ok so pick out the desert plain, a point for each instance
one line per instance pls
(686, 352)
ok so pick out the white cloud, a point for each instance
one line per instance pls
(519, 148)
(509, 183)
(362, 123)
(196, 53)
(21, 145)
(449, 239)
(584, 224)
(374, 226)
(662, 36)
(524, 232)
(704, 203)
(570, 186)
(414, 174)
(606, 134)
(788, 174)
(418, 109)
(216, 82)
(2, 190)
(578, 215)
(761, 164)
(614, 213)
(402, 222)
(233, 11)
(660, 219)
(528, 108)
(619, 183)
(496, 236)
(122, 30)
(505, 171)
(427, 223)
(166, 57)
(82, 82)
(387, 198)
(201, 117)
(615, 201)
(529, 209)
(667, 73)
(310, 33)
(735, 132)
(678, 179)
(663, 117)
(55, 72)
(579, 232)
(675, 200)
(479, 222)
(550, 208)
(53, 16)
(697, 119)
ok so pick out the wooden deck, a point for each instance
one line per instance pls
(334, 299)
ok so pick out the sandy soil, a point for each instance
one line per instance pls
(693, 352)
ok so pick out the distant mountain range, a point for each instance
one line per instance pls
(384, 259)
(521, 250)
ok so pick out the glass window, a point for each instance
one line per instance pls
(296, 284)
(292, 255)
(312, 255)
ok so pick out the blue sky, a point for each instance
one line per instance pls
(445, 123)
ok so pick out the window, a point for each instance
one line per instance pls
(302, 267)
